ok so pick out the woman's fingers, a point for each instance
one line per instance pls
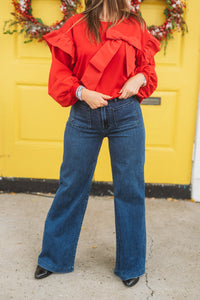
(128, 93)
(124, 94)
(95, 99)
(131, 86)
(104, 102)
(105, 96)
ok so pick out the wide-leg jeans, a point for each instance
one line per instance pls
(122, 122)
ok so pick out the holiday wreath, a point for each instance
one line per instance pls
(174, 19)
(34, 28)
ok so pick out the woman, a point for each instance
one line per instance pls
(103, 67)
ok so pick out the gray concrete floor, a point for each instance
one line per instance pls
(173, 252)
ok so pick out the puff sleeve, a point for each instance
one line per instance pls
(62, 83)
(145, 64)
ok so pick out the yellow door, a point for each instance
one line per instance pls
(170, 126)
(32, 123)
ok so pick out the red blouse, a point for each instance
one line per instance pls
(105, 67)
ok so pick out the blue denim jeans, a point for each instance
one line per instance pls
(122, 122)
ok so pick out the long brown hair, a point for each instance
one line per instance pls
(116, 10)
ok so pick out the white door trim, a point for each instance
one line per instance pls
(195, 179)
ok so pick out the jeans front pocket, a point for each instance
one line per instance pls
(80, 116)
(126, 114)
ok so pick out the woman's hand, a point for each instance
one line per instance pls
(131, 86)
(94, 99)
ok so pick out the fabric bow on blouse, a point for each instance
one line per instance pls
(105, 67)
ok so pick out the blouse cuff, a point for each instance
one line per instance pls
(74, 88)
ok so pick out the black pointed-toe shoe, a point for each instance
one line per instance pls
(130, 282)
(41, 272)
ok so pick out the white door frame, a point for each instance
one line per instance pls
(195, 178)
